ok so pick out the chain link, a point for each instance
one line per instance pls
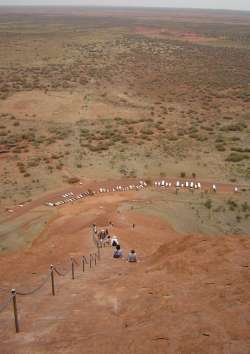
(23, 293)
(73, 260)
(60, 273)
(85, 260)
(34, 290)
(6, 303)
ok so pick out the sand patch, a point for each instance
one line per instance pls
(166, 33)
(41, 106)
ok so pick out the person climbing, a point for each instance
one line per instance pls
(132, 256)
(108, 241)
(114, 241)
(118, 252)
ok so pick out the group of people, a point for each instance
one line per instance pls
(118, 253)
(105, 239)
(103, 236)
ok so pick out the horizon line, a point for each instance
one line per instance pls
(122, 6)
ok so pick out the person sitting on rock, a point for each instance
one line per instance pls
(132, 256)
(118, 252)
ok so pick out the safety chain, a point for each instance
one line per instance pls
(73, 260)
(5, 304)
(34, 290)
(60, 273)
(13, 297)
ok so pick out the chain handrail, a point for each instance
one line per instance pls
(73, 260)
(85, 260)
(6, 303)
(58, 272)
(14, 293)
(22, 293)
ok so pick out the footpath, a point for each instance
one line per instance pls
(80, 310)
(188, 294)
(85, 315)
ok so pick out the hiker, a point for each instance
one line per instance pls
(107, 241)
(95, 228)
(118, 252)
(133, 226)
(100, 235)
(236, 190)
(132, 256)
(214, 188)
(114, 241)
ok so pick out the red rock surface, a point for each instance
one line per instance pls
(188, 294)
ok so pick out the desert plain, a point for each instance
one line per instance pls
(102, 97)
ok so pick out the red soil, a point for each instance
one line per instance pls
(188, 294)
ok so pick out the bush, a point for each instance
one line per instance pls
(245, 207)
(232, 204)
(220, 147)
(183, 174)
(73, 180)
(238, 127)
(238, 149)
(236, 157)
(208, 204)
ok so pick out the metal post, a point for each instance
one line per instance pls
(13, 292)
(90, 260)
(98, 250)
(72, 268)
(83, 264)
(52, 279)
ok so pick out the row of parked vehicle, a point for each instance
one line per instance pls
(138, 186)
(178, 184)
(69, 198)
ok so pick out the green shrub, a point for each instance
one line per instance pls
(245, 207)
(220, 147)
(73, 180)
(208, 204)
(238, 149)
(234, 127)
(236, 157)
(232, 204)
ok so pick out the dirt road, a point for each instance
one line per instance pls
(95, 186)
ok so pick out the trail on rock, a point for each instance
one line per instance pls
(187, 294)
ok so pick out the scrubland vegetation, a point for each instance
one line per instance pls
(153, 97)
